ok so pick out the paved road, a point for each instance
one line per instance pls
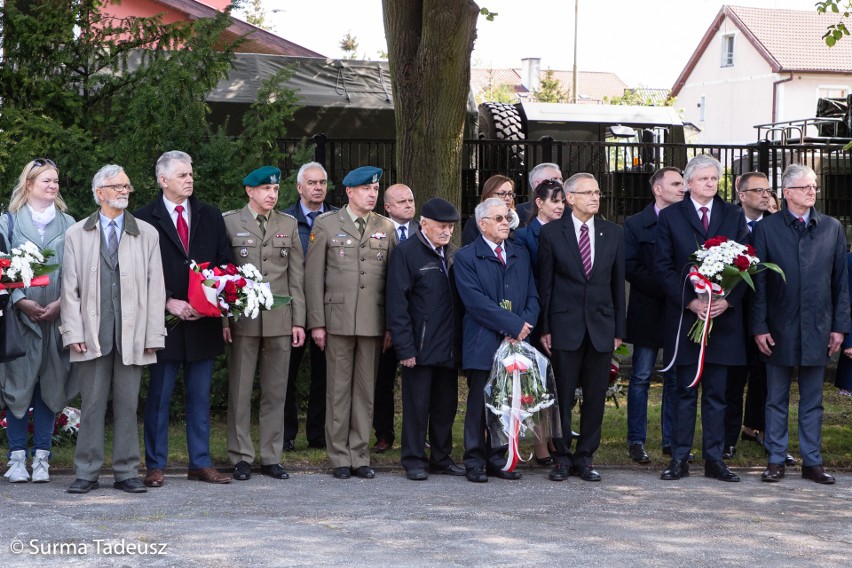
(631, 518)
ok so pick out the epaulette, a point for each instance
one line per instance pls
(231, 212)
(326, 214)
(284, 214)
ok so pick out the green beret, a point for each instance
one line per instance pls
(263, 176)
(362, 176)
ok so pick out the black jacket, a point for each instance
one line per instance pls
(419, 304)
(646, 310)
(208, 242)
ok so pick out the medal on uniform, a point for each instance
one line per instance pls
(243, 252)
(283, 252)
(349, 242)
(280, 236)
(380, 257)
(342, 253)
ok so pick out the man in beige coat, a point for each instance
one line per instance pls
(269, 240)
(112, 304)
(345, 292)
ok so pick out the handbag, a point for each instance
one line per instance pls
(11, 342)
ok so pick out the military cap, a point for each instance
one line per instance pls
(263, 176)
(362, 176)
(440, 210)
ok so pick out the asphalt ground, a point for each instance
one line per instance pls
(630, 518)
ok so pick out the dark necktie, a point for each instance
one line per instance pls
(705, 219)
(800, 224)
(362, 224)
(182, 228)
(585, 250)
(751, 225)
(112, 244)
(402, 236)
(312, 216)
(261, 222)
(499, 252)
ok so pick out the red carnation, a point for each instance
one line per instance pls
(240, 282)
(230, 292)
(750, 250)
(231, 270)
(5, 262)
(742, 263)
(527, 399)
(715, 241)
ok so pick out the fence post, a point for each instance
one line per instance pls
(546, 149)
(763, 156)
(319, 151)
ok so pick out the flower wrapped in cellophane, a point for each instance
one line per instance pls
(25, 266)
(520, 398)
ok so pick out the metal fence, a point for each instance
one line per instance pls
(622, 169)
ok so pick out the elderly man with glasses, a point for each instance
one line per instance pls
(800, 321)
(497, 288)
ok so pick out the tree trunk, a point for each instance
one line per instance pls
(429, 47)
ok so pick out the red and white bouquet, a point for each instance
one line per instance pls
(25, 266)
(229, 290)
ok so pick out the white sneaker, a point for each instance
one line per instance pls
(18, 467)
(40, 466)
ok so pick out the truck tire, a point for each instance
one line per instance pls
(501, 121)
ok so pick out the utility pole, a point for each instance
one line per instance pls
(576, 27)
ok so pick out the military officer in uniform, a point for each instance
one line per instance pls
(269, 240)
(345, 292)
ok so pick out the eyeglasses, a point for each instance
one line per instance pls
(504, 194)
(119, 187)
(760, 190)
(39, 162)
(500, 218)
(805, 188)
(597, 194)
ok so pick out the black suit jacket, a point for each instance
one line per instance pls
(679, 234)
(647, 306)
(208, 242)
(572, 305)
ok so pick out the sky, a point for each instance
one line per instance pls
(645, 42)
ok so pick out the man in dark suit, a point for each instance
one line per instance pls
(800, 323)
(189, 230)
(682, 228)
(312, 185)
(399, 205)
(581, 277)
(497, 288)
(422, 321)
(645, 314)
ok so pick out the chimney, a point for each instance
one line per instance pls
(530, 71)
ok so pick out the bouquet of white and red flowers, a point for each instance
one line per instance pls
(721, 264)
(521, 398)
(25, 266)
(229, 290)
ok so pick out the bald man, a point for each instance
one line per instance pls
(399, 206)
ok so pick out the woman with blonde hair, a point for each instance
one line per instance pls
(40, 379)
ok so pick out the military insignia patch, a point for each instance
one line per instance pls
(283, 252)
(243, 252)
(313, 237)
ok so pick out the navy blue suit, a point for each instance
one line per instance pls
(528, 237)
(800, 316)
(482, 283)
(679, 234)
(584, 316)
(315, 420)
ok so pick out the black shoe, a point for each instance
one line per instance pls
(586, 473)
(790, 461)
(342, 473)
(275, 470)
(559, 472)
(242, 471)
(730, 451)
(544, 462)
(364, 472)
(757, 439)
(82, 486)
(774, 472)
(316, 444)
(417, 474)
(453, 469)
(131, 485)
(675, 470)
(638, 454)
(289, 445)
(718, 470)
(476, 475)
(510, 475)
(816, 473)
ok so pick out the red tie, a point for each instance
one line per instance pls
(705, 220)
(182, 228)
(585, 250)
(499, 252)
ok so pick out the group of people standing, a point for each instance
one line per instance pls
(370, 293)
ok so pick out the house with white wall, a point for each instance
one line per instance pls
(760, 65)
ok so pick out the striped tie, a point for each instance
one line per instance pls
(112, 244)
(585, 250)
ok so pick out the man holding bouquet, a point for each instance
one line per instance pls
(682, 228)
(269, 240)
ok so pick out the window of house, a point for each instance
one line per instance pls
(728, 50)
(832, 92)
(701, 106)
